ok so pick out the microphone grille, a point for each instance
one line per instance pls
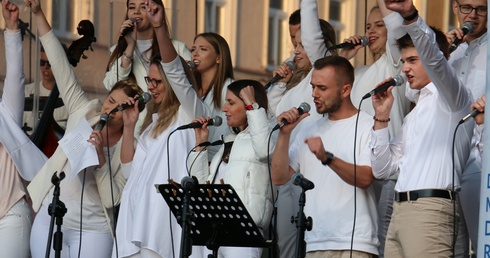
(104, 117)
(146, 96)
(400, 79)
(304, 108)
(292, 65)
(191, 64)
(468, 26)
(134, 19)
(364, 41)
(217, 121)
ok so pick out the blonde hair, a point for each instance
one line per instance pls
(167, 110)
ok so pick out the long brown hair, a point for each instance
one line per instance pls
(225, 66)
(122, 44)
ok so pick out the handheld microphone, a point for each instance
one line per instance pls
(143, 99)
(189, 183)
(102, 122)
(191, 64)
(303, 108)
(473, 113)
(292, 66)
(206, 143)
(213, 121)
(364, 42)
(397, 80)
(128, 29)
(466, 28)
(301, 181)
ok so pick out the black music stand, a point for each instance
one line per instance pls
(218, 216)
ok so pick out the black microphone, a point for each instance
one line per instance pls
(128, 29)
(191, 64)
(292, 66)
(466, 28)
(189, 183)
(143, 99)
(213, 121)
(364, 42)
(473, 113)
(303, 108)
(206, 143)
(397, 80)
(102, 122)
(301, 181)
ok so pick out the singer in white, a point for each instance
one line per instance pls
(146, 227)
(422, 224)
(323, 151)
(242, 159)
(93, 218)
(20, 159)
(136, 45)
(469, 59)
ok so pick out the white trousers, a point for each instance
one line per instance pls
(15, 230)
(94, 245)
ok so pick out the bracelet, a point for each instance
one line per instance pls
(158, 26)
(412, 16)
(380, 120)
(128, 57)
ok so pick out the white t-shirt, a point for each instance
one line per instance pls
(331, 202)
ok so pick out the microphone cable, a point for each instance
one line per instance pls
(81, 210)
(112, 197)
(168, 178)
(355, 180)
(453, 192)
(273, 220)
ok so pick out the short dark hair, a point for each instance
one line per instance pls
(406, 42)
(344, 70)
(295, 17)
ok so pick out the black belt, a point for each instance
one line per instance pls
(415, 194)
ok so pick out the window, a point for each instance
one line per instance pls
(67, 14)
(212, 15)
(335, 17)
(277, 18)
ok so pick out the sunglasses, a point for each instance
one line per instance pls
(44, 62)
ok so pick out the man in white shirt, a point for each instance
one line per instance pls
(470, 62)
(331, 202)
(422, 222)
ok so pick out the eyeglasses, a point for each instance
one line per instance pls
(44, 62)
(479, 10)
(152, 81)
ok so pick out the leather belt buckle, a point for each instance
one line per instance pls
(412, 195)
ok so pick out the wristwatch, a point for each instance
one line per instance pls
(253, 106)
(330, 158)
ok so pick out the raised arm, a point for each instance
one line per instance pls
(13, 91)
(311, 32)
(173, 65)
(441, 73)
(70, 91)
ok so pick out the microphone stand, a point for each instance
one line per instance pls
(302, 224)
(57, 209)
(186, 240)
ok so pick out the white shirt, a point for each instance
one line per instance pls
(422, 151)
(470, 62)
(331, 202)
(388, 65)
